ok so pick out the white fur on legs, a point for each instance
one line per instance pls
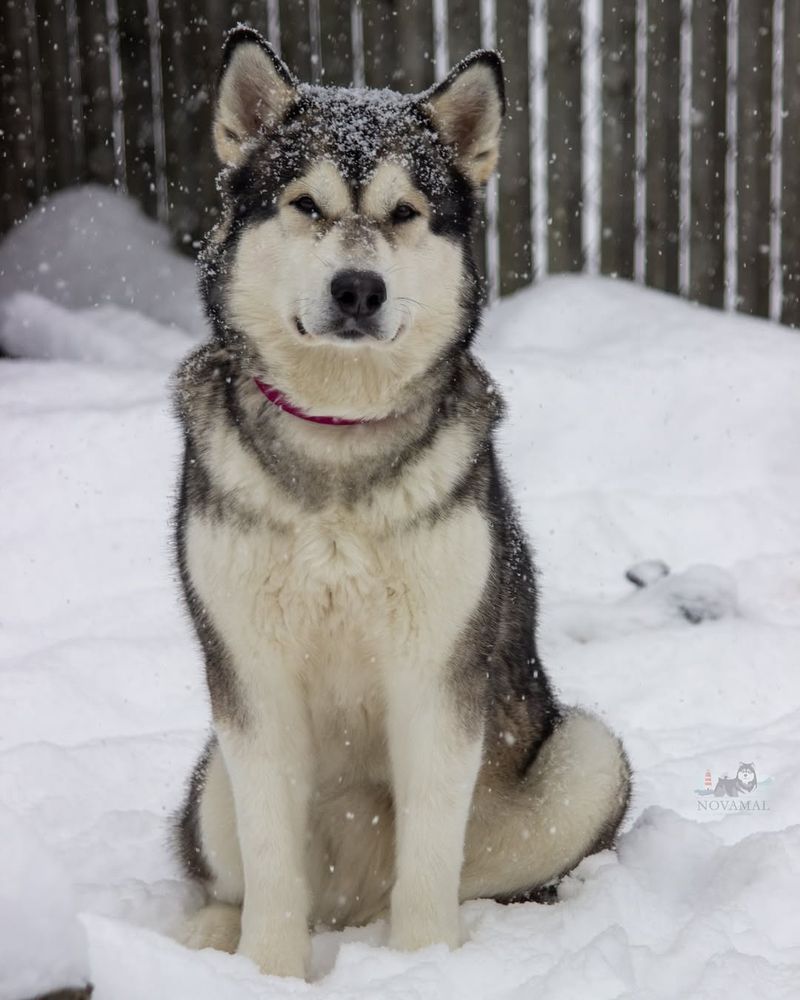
(217, 925)
(575, 790)
(434, 764)
(270, 791)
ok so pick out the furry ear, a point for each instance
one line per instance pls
(468, 109)
(254, 90)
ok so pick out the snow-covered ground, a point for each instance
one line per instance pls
(640, 428)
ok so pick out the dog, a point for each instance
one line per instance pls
(385, 737)
(743, 783)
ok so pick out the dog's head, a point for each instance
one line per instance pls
(746, 777)
(343, 259)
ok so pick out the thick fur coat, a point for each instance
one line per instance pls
(385, 736)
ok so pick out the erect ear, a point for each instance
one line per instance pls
(254, 91)
(468, 109)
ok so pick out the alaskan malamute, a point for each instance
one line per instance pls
(385, 736)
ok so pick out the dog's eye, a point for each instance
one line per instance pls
(403, 212)
(307, 206)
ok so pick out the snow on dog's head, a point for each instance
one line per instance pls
(343, 264)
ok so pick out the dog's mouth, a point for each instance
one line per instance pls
(349, 334)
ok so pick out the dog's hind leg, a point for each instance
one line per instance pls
(207, 839)
(569, 804)
(210, 850)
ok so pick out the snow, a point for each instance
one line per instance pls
(42, 947)
(87, 247)
(641, 428)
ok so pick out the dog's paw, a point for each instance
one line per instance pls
(217, 925)
(288, 954)
(412, 935)
(415, 925)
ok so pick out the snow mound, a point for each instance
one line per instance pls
(43, 946)
(35, 327)
(88, 246)
(641, 430)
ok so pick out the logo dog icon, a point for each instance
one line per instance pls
(744, 782)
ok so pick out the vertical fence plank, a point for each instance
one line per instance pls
(398, 44)
(415, 42)
(753, 169)
(217, 25)
(381, 64)
(463, 28)
(61, 154)
(190, 54)
(98, 120)
(18, 149)
(252, 12)
(463, 37)
(565, 173)
(790, 204)
(617, 200)
(10, 187)
(336, 43)
(134, 46)
(516, 264)
(296, 37)
(663, 144)
(709, 70)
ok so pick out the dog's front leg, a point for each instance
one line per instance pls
(435, 761)
(268, 757)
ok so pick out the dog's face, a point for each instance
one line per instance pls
(746, 776)
(344, 254)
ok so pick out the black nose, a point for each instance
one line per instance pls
(358, 293)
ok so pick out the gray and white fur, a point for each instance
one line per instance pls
(385, 736)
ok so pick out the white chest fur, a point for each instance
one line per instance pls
(335, 600)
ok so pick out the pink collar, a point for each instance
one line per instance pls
(277, 398)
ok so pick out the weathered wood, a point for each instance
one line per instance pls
(190, 55)
(663, 144)
(20, 185)
(707, 187)
(381, 45)
(415, 45)
(398, 44)
(463, 28)
(790, 195)
(514, 185)
(565, 172)
(296, 37)
(753, 160)
(252, 12)
(98, 113)
(463, 37)
(336, 42)
(617, 199)
(134, 46)
(61, 153)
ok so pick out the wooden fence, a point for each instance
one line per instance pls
(657, 140)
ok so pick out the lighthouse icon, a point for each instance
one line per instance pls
(707, 782)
